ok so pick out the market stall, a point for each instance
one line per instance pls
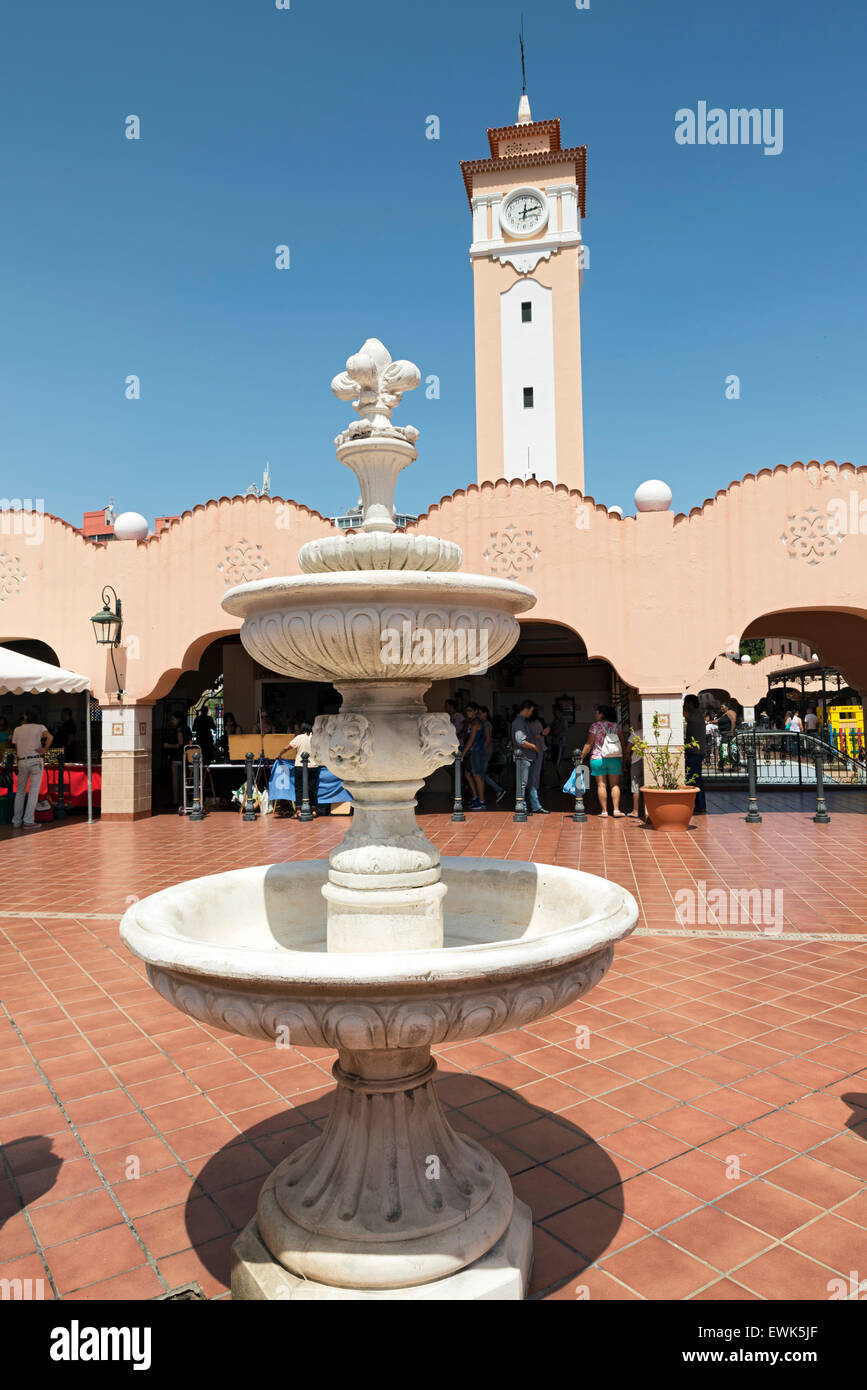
(22, 675)
(283, 785)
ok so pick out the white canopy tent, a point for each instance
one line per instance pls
(21, 675)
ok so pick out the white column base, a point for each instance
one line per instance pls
(502, 1275)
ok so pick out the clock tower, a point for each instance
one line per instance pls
(527, 256)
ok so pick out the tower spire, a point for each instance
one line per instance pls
(524, 114)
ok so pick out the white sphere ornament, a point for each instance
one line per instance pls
(746, 659)
(131, 526)
(653, 496)
(615, 511)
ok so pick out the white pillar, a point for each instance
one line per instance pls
(480, 218)
(669, 707)
(126, 761)
(569, 209)
(555, 218)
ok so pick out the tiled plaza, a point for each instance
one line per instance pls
(695, 1128)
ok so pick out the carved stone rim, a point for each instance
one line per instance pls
(373, 1020)
(378, 586)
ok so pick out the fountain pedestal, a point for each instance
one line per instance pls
(388, 1201)
(384, 891)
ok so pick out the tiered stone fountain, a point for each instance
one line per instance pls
(385, 950)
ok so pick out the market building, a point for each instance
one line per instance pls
(634, 608)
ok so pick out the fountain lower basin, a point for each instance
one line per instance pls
(254, 942)
(389, 1202)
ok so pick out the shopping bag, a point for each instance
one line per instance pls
(571, 785)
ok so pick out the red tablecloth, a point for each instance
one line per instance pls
(74, 784)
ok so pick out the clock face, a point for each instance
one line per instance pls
(524, 213)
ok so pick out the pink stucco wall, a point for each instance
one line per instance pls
(658, 595)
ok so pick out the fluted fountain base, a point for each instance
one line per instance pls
(501, 1275)
(389, 1197)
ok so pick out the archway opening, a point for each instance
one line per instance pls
(240, 697)
(549, 665)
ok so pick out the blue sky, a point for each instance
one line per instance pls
(307, 127)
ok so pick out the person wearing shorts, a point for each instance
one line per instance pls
(606, 769)
(474, 746)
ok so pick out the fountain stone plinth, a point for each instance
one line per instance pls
(385, 951)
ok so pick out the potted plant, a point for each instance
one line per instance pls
(670, 801)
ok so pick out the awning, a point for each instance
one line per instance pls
(21, 675)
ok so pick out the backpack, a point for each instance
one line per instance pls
(611, 745)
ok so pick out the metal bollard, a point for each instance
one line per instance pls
(458, 804)
(579, 813)
(249, 803)
(821, 817)
(752, 817)
(196, 810)
(305, 813)
(60, 804)
(522, 772)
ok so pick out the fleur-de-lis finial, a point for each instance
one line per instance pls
(374, 448)
(376, 382)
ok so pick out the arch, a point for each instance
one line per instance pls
(837, 633)
(33, 647)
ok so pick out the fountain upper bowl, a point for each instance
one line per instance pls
(379, 624)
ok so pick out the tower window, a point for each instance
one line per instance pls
(526, 312)
(528, 398)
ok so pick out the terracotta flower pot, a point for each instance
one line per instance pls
(670, 810)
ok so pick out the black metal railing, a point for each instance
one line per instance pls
(782, 759)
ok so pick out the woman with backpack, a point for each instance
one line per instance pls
(605, 743)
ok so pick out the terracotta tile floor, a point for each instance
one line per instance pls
(695, 1128)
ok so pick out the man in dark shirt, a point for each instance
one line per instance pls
(695, 751)
(205, 730)
(65, 734)
(524, 749)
